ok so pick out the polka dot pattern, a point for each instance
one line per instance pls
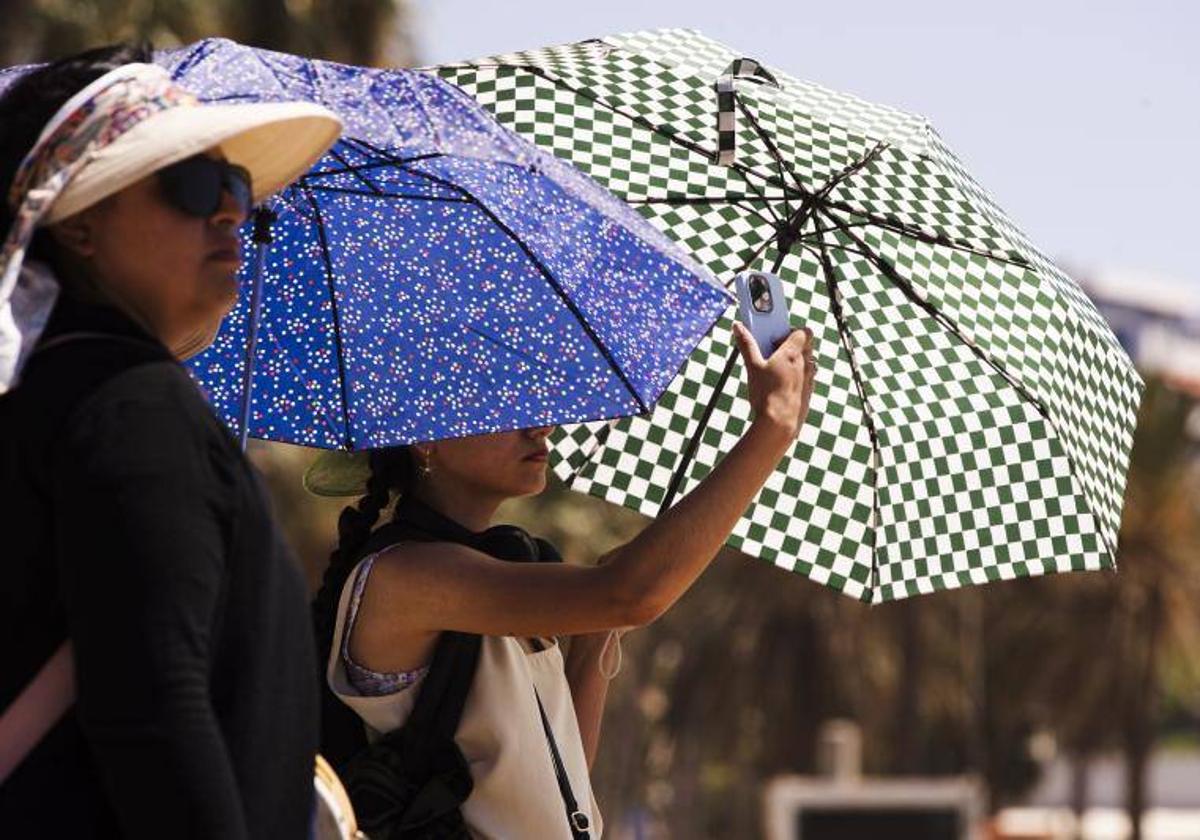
(437, 276)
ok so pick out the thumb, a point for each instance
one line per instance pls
(747, 345)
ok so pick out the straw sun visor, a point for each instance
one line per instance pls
(336, 473)
(276, 142)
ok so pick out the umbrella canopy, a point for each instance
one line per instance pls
(436, 276)
(973, 413)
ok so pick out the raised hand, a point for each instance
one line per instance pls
(779, 386)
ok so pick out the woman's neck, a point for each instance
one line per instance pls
(465, 505)
(79, 283)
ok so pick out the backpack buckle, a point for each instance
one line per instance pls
(579, 821)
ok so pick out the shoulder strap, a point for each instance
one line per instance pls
(439, 705)
(575, 817)
(443, 694)
(51, 693)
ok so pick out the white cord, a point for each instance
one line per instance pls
(614, 636)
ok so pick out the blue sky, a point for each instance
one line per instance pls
(1082, 118)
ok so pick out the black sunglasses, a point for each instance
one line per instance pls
(194, 185)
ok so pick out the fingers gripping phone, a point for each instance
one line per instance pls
(763, 308)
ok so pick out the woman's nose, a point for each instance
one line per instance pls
(539, 432)
(230, 212)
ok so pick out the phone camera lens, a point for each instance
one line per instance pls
(760, 293)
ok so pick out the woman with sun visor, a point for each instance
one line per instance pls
(141, 567)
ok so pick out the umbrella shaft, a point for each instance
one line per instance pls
(262, 238)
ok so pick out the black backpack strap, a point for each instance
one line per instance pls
(443, 693)
(576, 819)
(441, 699)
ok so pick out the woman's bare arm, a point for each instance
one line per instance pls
(418, 589)
(589, 687)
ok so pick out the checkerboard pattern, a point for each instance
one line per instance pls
(1002, 406)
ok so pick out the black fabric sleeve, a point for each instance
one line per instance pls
(143, 528)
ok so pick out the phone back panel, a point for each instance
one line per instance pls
(768, 328)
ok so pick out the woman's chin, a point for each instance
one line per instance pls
(534, 482)
(194, 344)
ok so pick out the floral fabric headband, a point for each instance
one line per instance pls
(91, 120)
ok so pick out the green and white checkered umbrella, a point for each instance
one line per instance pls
(973, 413)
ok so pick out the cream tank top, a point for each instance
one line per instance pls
(516, 792)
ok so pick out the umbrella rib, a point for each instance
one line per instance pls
(547, 275)
(889, 271)
(689, 451)
(822, 194)
(320, 415)
(348, 191)
(356, 172)
(350, 141)
(337, 318)
(230, 97)
(735, 198)
(835, 306)
(754, 255)
(716, 199)
(897, 226)
(820, 232)
(566, 299)
(784, 170)
(598, 442)
(194, 56)
(511, 349)
(766, 201)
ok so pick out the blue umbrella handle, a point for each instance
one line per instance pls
(262, 238)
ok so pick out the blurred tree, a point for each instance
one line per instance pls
(370, 32)
(1159, 586)
(1110, 654)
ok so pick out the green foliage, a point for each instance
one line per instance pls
(352, 31)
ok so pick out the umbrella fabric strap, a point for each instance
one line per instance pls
(575, 817)
(746, 69)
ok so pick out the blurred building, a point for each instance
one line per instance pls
(1156, 319)
(1172, 792)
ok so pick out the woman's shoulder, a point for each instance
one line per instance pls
(158, 383)
(403, 552)
(153, 406)
(401, 563)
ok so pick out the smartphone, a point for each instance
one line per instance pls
(763, 308)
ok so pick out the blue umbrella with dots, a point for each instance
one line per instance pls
(434, 275)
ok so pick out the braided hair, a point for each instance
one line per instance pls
(393, 472)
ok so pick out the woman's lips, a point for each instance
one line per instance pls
(230, 252)
(539, 457)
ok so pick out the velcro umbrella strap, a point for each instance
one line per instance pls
(741, 69)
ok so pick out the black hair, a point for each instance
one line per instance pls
(29, 103)
(393, 472)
